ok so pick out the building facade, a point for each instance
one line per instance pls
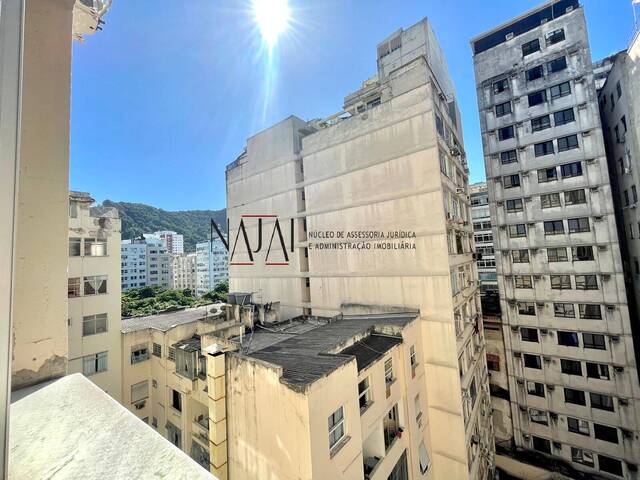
(620, 113)
(94, 293)
(396, 147)
(145, 262)
(184, 271)
(173, 241)
(212, 265)
(483, 237)
(573, 381)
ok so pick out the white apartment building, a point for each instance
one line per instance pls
(570, 358)
(620, 113)
(184, 271)
(145, 261)
(94, 293)
(483, 237)
(173, 241)
(391, 161)
(212, 267)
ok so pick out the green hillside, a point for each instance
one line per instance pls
(139, 218)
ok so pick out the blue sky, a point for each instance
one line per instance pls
(165, 96)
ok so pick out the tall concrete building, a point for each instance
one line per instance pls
(173, 241)
(483, 237)
(212, 267)
(145, 262)
(341, 203)
(620, 113)
(94, 293)
(570, 357)
(184, 271)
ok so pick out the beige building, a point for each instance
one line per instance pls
(184, 271)
(94, 293)
(377, 198)
(164, 380)
(568, 335)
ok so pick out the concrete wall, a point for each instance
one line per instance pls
(39, 302)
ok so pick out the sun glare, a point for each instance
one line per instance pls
(272, 17)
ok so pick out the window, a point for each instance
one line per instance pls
(618, 89)
(581, 456)
(154, 422)
(514, 205)
(594, 341)
(139, 354)
(555, 37)
(523, 281)
(563, 117)
(603, 432)
(544, 148)
(539, 416)
(388, 370)
(172, 354)
(534, 73)
(74, 246)
(364, 394)
(95, 285)
(601, 402)
(336, 427)
(493, 362)
(536, 98)
(529, 334)
(94, 363)
(424, 458)
(541, 444)
(575, 197)
(506, 132)
(510, 156)
(535, 388)
(503, 109)
(547, 175)
(575, 425)
(564, 310)
(531, 47)
(574, 396)
(73, 209)
(154, 383)
(520, 256)
(516, 231)
(413, 357)
(553, 227)
(501, 85)
(73, 289)
(176, 400)
(570, 367)
(560, 90)
(139, 391)
(550, 200)
(94, 247)
(623, 121)
(586, 282)
(556, 65)
(540, 123)
(418, 409)
(617, 130)
(578, 225)
(582, 254)
(569, 170)
(598, 370)
(93, 324)
(634, 192)
(610, 465)
(511, 181)
(568, 339)
(157, 350)
(560, 282)
(174, 434)
(567, 143)
(526, 308)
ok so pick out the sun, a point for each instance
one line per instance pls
(272, 17)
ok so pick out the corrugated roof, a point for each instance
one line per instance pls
(306, 357)
(165, 321)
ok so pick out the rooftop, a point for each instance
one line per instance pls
(166, 321)
(307, 352)
(371, 348)
(104, 441)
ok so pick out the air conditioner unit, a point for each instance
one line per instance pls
(499, 203)
(634, 205)
(459, 190)
(618, 368)
(508, 36)
(551, 387)
(606, 276)
(632, 467)
(593, 189)
(557, 445)
(540, 304)
(526, 436)
(586, 133)
(614, 338)
(611, 307)
(553, 415)
(591, 160)
(140, 405)
(514, 329)
(598, 218)
(623, 401)
(627, 170)
(602, 248)
(544, 331)
(546, 359)
(527, 199)
(519, 381)
(517, 354)
(522, 408)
